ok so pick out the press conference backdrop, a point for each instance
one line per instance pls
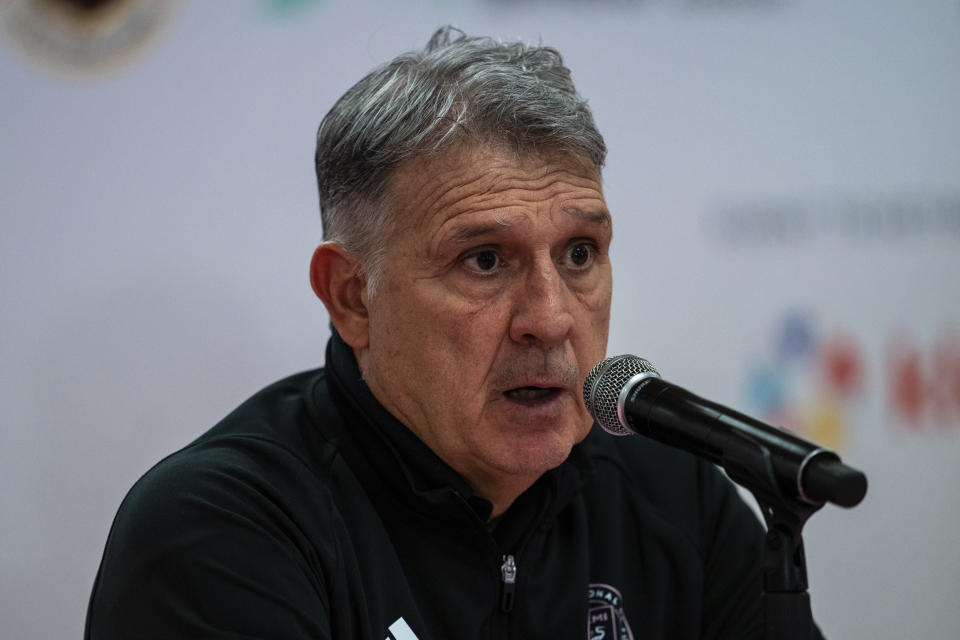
(785, 182)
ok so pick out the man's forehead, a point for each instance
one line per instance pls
(466, 179)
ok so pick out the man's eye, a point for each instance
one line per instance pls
(484, 260)
(580, 254)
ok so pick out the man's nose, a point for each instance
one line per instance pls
(543, 309)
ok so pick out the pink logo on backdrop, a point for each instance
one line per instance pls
(923, 380)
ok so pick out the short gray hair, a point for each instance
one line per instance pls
(459, 88)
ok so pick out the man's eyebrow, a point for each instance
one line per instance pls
(467, 232)
(599, 217)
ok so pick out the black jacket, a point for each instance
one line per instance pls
(310, 512)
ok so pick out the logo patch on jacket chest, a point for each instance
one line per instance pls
(605, 617)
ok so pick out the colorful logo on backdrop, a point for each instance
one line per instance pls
(811, 380)
(808, 381)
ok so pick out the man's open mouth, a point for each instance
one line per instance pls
(529, 394)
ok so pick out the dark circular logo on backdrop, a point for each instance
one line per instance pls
(85, 37)
(605, 617)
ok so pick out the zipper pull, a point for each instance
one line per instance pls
(508, 577)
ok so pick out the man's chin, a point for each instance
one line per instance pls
(533, 454)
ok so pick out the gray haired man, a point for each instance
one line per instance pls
(440, 477)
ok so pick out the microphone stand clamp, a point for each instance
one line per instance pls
(786, 602)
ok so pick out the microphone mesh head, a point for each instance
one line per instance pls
(603, 385)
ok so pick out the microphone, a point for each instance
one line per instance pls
(626, 395)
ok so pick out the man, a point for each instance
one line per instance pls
(439, 478)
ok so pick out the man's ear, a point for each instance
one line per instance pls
(338, 280)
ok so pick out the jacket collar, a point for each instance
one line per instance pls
(422, 477)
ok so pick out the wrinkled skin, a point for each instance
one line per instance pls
(493, 304)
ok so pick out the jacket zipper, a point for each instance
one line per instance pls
(508, 580)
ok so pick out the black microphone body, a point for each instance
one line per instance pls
(626, 395)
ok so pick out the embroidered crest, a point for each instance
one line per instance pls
(605, 617)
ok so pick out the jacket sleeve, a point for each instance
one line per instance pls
(206, 550)
(733, 555)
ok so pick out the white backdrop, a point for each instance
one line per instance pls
(785, 182)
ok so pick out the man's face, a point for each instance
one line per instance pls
(492, 306)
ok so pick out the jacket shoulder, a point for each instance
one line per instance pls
(240, 525)
(685, 502)
(674, 488)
